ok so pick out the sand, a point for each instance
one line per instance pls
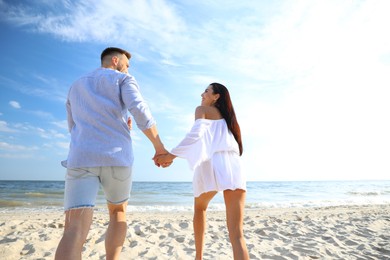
(344, 232)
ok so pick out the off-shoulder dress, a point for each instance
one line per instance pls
(213, 154)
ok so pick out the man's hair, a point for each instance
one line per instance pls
(114, 50)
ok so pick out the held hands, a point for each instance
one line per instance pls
(163, 160)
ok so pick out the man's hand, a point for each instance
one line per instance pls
(164, 160)
(129, 123)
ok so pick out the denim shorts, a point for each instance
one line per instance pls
(82, 185)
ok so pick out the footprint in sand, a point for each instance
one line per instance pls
(180, 239)
(28, 249)
(184, 225)
(133, 243)
(138, 231)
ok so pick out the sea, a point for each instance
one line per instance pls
(177, 196)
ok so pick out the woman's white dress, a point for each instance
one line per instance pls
(213, 154)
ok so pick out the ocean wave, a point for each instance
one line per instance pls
(11, 203)
(314, 204)
(36, 194)
(364, 193)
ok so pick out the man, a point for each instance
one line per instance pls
(101, 151)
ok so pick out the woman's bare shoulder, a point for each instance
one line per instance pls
(200, 112)
(207, 112)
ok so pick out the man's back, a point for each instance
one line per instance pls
(96, 118)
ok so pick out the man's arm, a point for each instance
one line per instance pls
(152, 134)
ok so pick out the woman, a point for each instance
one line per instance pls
(213, 148)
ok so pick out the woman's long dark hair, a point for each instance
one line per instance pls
(225, 107)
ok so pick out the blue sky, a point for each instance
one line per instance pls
(309, 80)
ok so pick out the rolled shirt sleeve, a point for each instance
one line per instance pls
(69, 116)
(135, 103)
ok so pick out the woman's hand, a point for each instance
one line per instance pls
(164, 160)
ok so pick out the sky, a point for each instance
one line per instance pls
(309, 81)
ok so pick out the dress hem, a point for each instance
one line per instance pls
(218, 190)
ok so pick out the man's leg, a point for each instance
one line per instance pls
(116, 231)
(81, 187)
(116, 183)
(77, 224)
(200, 207)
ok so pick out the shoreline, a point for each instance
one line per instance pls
(336, 232)
(179, 209)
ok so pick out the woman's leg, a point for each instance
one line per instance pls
(77, 225)
(235, 203)
(200, 206)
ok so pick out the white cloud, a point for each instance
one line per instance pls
(38, 113)
(16, 148)
(17, 156)
(50, 134)
(15, 104)
(63, 145)
(41, 114)
(4, 127)
(26, 129)
(63, 124)
(47, 88)
(124, 21)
